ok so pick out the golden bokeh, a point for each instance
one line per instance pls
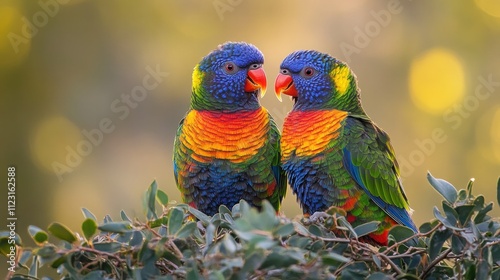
(14, 44)
(491, 7)
(51, 139)
(71, 196)
(436, 80)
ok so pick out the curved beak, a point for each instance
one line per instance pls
(256, 79)
(284, 85)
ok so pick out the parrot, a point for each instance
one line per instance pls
(333, 154)
(227, 147)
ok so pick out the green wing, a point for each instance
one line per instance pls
(278, 172)
(370, 159)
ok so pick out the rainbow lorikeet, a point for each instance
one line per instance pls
(332, 152)
(227, 146)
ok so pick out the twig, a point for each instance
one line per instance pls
(393, 246)
(404, 255)
(96, 252)
(338, 270)
(391, 263)
(435, 262)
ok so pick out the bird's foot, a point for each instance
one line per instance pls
(318, 217)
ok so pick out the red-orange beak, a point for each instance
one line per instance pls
(256, 79)
(284, 84)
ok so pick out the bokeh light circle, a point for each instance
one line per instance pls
(490, 7)
(436, 80)
(51, 139)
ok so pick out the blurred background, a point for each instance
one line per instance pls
(82, 131)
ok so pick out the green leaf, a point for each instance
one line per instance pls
(300, 229)
(186, 230)
(278, 260)
(400, 233)
(162, 197)
(482, 269)
(145, 253)
(62, 232)
(162, 221)
(457, 244)
(137, 238)
(108, 247)
(356, 270)
(34, 267)
(377, 261)
(447, 223)
(193, 274)
(470, 273)
(224, 210)
(25, 257)
(199, 215)
(315, 230)
(443, 187)
(299, 242)
(343, 222)
(38, 235)
(496, 273)
(116, 227)
(209, 234)
(228, 245)
(175, 218)
(498, 191)
(332, 258)
(481, 215)
(5, 238)
(464, 213)
(436, 243)
(5, 246)
(124, 237)
(59, 261)
(124, 216)
(415, 261)
(451, 214)
(252, 262)
(88, 215)
(316, 246)
(469, 187)
(479, 202)
(46, 251)
(150, 198)
(427, 226)
(366, 228)
(107, 219)
(89, 228)
(284, 230)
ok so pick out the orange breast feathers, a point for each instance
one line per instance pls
(231, 136)
(308, 133)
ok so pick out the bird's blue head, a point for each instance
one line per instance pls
(229, 78)
(318, 81)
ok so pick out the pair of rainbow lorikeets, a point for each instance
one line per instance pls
(228, 147)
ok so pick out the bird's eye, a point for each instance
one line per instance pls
(230, 68)
(308, 72)
(285, 71)
(255, 66)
